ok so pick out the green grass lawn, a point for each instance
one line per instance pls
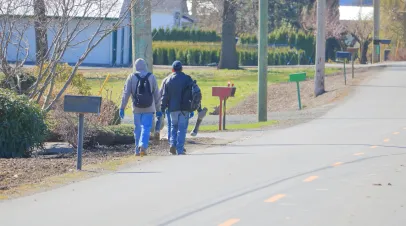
(213, 128)
(245, 80)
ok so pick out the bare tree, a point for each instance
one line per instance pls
(72, 24)
(334, 28)
(361, 30)
(228, 55)
(41, 41)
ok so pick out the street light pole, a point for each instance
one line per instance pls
(376, 52)
(320, 48)
(263, 61)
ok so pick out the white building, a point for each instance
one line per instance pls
(113, 50)
(165, 13)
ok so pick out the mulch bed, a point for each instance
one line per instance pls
(19, 171)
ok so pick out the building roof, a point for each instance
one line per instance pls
(111, 9)
(168, 6)
(74, 8)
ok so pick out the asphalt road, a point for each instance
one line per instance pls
(345, 168)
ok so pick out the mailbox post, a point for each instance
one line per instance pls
(81, 105)
(345, 56)
(352, 50)
(223, 92)
(377, 43)
(298, 77)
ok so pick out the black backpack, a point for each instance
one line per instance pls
(191, 97)
(143, 97)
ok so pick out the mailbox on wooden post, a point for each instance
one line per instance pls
(223, 92)
(81, 105)
(352, 50)
(298, 77)
(344, 56)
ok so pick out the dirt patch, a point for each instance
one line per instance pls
(23, 171)
(283, 97)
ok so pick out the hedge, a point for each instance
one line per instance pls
(185, 34)
(200, 56)
(286, 36)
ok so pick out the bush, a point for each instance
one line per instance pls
(27, 80)
(22, 125)
(63, 71)
(65, 124)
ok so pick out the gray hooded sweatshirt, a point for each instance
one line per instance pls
(131, 84)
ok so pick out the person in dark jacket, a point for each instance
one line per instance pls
(171, 100)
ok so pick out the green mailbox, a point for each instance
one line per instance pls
(298, 77)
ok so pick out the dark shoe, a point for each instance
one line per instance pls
(172, 150)
(157, 136)
(142, 152)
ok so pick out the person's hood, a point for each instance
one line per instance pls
(141, 67)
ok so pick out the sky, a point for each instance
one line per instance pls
(356, 2)
(349, 9)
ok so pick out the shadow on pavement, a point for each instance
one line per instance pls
(374, 86)
(226, 153)
(281, 145)
(136, 172)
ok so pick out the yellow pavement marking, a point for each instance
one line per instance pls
(386, 140)
(374, 146)
(275, 198)
(337, 163)
(357, 154)
(229, 222)
(312, 178)
(395, 133)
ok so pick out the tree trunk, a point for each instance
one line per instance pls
(40, 31)
(194, 8)
(320, 49)
(228, 56)
(364, 52)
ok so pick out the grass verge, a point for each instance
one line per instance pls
(231, 127)
(245, 80)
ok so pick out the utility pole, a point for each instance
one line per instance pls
(263, 61)
(320, 48)
(141, 31)
(376, 52)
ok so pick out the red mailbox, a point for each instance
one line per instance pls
(223, 92)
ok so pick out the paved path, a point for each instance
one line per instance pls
(346, 168)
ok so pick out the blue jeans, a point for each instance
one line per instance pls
(168, 120)
(179, 124)
(143, 125)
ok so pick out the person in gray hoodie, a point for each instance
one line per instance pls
(145, 103)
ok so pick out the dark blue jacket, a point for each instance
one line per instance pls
(172, 91)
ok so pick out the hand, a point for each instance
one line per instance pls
(122, 113)
(191, 114)
(158, 114)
